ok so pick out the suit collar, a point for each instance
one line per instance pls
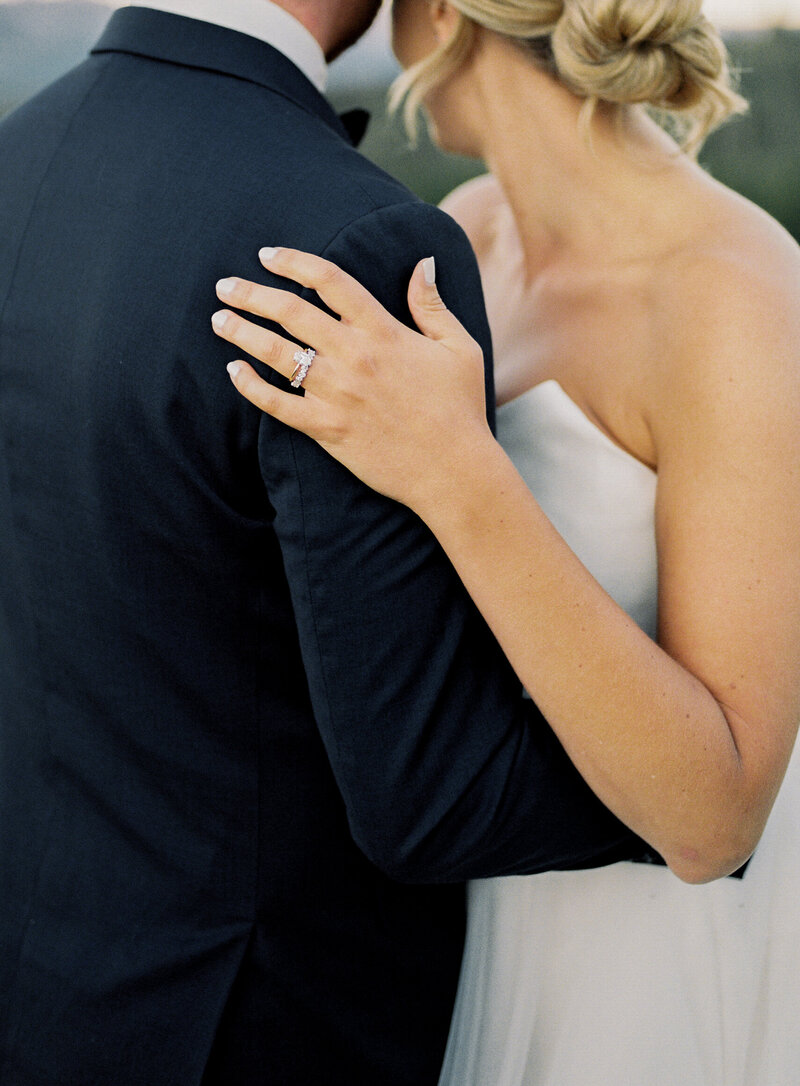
(190, 43)
(261, 19)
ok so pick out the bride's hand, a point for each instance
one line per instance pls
(398, 408)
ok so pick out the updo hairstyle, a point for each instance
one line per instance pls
(664, 54)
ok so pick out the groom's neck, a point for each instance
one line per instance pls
(336, 24)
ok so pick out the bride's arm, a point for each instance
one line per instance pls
(686, 741)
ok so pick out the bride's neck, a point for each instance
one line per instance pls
(616, 195)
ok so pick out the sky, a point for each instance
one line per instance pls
(724, 12)
(749, 12)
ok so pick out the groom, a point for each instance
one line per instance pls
(253, 735)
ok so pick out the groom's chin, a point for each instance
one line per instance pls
(362, 17)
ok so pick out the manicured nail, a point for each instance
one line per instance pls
(429, 268)
(219, 320)
(233, 368)
(266, 254)
(226, 286)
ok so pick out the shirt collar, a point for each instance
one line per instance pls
(260, 19)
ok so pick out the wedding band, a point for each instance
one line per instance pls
(303, 360)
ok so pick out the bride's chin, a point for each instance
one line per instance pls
(448, 138)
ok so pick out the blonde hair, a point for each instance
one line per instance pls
(664, 54)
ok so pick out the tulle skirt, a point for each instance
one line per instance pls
(625, 976)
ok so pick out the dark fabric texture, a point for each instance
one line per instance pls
(246, 709)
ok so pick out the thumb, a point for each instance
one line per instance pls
(431, 315)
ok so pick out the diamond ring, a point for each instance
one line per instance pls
(303, 360)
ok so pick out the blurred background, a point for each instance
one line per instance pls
(758, 155)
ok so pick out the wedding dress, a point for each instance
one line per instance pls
(625, 976)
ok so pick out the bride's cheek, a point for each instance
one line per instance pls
(412, 34)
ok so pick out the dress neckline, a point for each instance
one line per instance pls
(580, 415)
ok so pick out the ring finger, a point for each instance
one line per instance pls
(268, 347)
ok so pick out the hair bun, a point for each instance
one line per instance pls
(659, 53)
(652, 51)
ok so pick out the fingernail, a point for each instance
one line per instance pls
(266, 254)
(233, 368)
(226, 286)
(219, 320)
(429, 268)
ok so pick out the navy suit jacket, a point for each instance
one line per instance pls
(253, 734)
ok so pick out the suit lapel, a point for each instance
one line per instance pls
(174, 39)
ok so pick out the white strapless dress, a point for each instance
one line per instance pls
(623, 975)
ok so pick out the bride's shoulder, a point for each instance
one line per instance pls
(742, 272)
(731, 303)
(475, 206)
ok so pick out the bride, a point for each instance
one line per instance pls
(633, 539)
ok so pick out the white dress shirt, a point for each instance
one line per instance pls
(260, 19)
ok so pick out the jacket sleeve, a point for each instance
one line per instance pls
(447, 772)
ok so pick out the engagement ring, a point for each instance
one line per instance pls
(303, 360)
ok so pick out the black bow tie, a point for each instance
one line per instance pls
(355, 122)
